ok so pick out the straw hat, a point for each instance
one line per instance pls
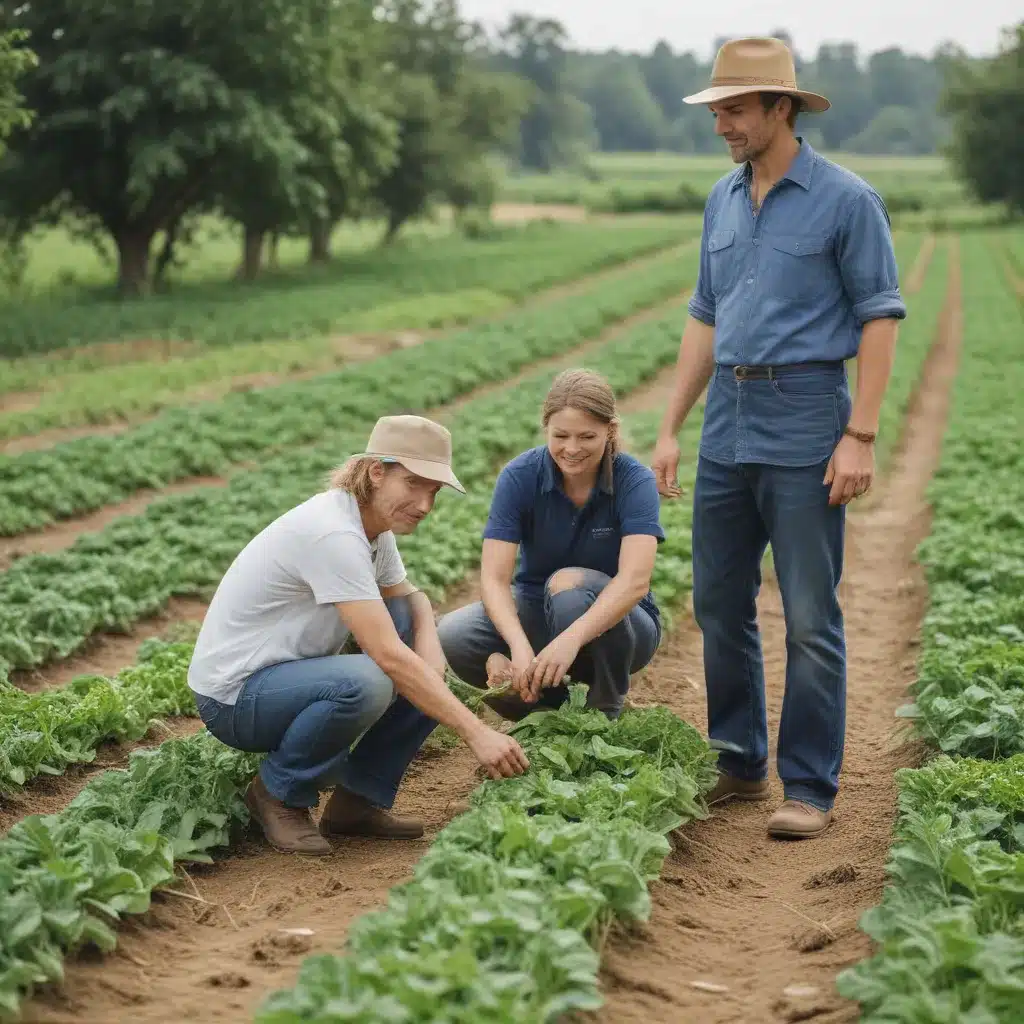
(421, 445)
(755, 64)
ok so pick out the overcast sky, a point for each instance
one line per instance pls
(915, 25)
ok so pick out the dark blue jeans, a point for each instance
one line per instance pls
(469, 638)
(738, 509)
(308, 714)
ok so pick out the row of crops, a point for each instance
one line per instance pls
(37, 488)
(950, 928)
(523, 917)
(181, 545)
(76, 477)
(506, 913)
(513, 265)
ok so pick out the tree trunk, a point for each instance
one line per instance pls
(133, 246)
(272, 260)
(165, 257)
(320, 241)
(252, 253)
(395, 222)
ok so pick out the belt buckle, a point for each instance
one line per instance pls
(740, 372)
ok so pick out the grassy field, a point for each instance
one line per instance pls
(917, 189)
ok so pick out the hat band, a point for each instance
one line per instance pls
(752, 80)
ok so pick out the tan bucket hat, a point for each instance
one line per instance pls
(755, 64)
(421, 445)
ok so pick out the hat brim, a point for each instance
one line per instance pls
(439, 472)
(813, 102)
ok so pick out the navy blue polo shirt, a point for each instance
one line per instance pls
(530, 508)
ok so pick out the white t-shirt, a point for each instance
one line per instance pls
(276, 601)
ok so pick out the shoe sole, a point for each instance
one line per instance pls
(783, 833)
(745, 797)
(369, 834)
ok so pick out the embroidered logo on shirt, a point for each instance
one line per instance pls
(602, 532)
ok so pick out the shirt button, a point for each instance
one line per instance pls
(750, 280)
(757, 241)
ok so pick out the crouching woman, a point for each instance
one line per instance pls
(583, 518)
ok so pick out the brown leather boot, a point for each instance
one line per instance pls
(797, 820)
(288, 829)
(730, 788)
(347, 814)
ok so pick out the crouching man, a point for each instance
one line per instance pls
(266, 671)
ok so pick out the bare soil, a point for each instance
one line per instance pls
(738, 919)
(520, 213)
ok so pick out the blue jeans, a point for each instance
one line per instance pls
(469, 638)
(738, 509)
(308, 714)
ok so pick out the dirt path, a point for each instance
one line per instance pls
(64, 533)
(918, 272)
(747, 929)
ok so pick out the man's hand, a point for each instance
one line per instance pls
(665, 464)
(500, 755)
(552, 665)
(850, 470)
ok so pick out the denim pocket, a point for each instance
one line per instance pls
(798, 266)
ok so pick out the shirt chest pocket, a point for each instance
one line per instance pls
(723, 260)
(798, 267)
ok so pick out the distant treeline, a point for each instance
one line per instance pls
(886, 103)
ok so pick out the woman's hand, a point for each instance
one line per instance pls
(502, 670)
(552, 665)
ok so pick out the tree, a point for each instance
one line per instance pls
(625, 114)
(142, 111)
(986, 100)
(15, 60)
(535, 50)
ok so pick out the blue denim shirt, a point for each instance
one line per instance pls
(530, 508)
(793, 284)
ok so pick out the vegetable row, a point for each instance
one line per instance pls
(950, 928)
(79, 476)
(336, 298)
(141, 561)
(504, 916)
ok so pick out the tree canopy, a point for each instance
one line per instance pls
(986, 101)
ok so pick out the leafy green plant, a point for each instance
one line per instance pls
(950, 928)
(47, 731)
(66, 879)
(505, 916)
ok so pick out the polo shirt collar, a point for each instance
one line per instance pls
(799, 170)
(551, 478)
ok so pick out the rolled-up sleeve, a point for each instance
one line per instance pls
(702, 302)
(867, 260)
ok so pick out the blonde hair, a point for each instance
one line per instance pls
(590, 393)
(354, 477)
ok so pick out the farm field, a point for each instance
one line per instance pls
(599, 884)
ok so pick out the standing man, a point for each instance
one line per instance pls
(797, 274)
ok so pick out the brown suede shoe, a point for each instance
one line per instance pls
(730, 788)
(347, 814)
(288, 829)
(797, 820)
